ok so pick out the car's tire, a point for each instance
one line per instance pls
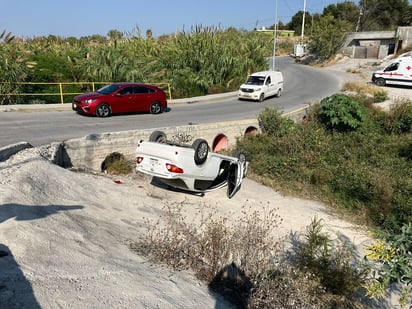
(262, 97)
(156, 108)
(158, 137)
(103, 110)
(380, 81)
(201, 148)
(279, 93)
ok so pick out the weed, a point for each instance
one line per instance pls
(341, 112)
(331, 261)
(116, 163)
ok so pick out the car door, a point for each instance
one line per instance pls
(123, 100)
(141, 99)
(234, 178)
(271, 86)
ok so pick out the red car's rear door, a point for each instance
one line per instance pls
(141, 99)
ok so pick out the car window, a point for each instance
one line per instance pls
(126, 90)
(392, 67)
(268, 81)
(108, 89)
(142, 89)
(256, 80)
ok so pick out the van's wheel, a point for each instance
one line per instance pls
(155, 108)
(201, 150)
(262, 97)
(279, 93)
(380, 82)
(103, 110)
(158, 137)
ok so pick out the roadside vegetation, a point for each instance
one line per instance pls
(347, 153)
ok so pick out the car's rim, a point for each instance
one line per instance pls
(155, 108)
(103, 111)
(202, 150)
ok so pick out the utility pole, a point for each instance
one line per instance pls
(303, 21)
(274, 36)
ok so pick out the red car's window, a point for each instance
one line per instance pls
(142, 89)
(126, 90)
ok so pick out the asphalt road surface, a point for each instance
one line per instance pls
(303, 85)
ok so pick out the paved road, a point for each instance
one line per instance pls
(303, 85)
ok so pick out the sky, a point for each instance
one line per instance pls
(77, 18)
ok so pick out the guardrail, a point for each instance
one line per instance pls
(62, 93)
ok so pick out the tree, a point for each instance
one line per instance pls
(296, 22)
(384, 14)
(328, 35)
(347, 10)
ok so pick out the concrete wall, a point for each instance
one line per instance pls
(90, 151)
(376, 44)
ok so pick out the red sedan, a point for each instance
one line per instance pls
(121, 98)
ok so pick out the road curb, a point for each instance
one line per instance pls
(68, 106)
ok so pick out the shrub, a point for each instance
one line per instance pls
(333, 262)
(391, 262)
(245, 263)
(341, 112)
(363, 90)
(399, 118)
(115, 163)
(273, 123)
(224, 255)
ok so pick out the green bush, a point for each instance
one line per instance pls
(364, 172)
(391, 262)
(380, 96)
(341, 113)
(273, 123)
(334, 262)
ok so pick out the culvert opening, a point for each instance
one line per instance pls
(250, 131)
(220, 143)
(116, 163)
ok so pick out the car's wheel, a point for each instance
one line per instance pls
(103, 110)
(201, 150)
(155, 108)
(158, 137)
(279, 93)
(262, 97)
(380, 81)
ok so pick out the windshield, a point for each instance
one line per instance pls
(255, 80)
(108, 89)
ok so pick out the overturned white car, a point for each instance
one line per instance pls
(190, 167)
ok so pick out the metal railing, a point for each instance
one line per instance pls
(61, 93)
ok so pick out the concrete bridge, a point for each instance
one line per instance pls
(90, 151)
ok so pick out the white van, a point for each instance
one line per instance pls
(261, 85)
(398, 72)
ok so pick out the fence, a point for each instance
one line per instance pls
(62, 90)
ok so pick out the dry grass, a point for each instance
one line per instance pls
(240, 258)
(367, 90)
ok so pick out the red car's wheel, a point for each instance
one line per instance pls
(103, 110)
(155, 108)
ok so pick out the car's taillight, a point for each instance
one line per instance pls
(139, 160)
(174, 169)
